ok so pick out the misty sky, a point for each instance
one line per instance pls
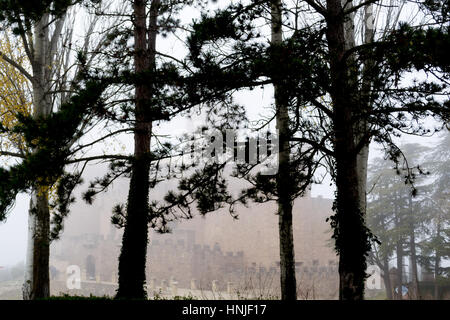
(13, 233)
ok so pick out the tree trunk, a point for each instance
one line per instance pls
(287, 257)
(362, 127)
(361, 169)
(37, 282)
(413, 261)
(399, 270)
(41, 245)
(351, 236)
(356, 118)
(28, 278)
(437, 263)
(387, 278)
(350, 232)
(413, 256)
(385, 268)
(436, 278)
(132, 260)
(399, 252)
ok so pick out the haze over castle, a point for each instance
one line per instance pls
(215, 252)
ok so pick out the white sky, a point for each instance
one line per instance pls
(13, 233)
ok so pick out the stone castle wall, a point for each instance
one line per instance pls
(213, 249)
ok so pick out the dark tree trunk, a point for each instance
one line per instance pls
(385, 268)
(399, 251)
(350, 232)
(39, 288)
(437, 263)
(436, 279)
(37, 281)
(132, 260)
(387, 278)
(413, 256)
(287, 258)
(399, 281)
(351, 238)
(414, 273)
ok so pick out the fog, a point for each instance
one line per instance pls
(250, 244)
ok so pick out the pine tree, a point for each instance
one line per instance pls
(50, 130)
(435, 242)
(345, 124)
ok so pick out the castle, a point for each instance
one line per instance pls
(215, 252)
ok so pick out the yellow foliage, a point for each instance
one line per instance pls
(15, 95)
